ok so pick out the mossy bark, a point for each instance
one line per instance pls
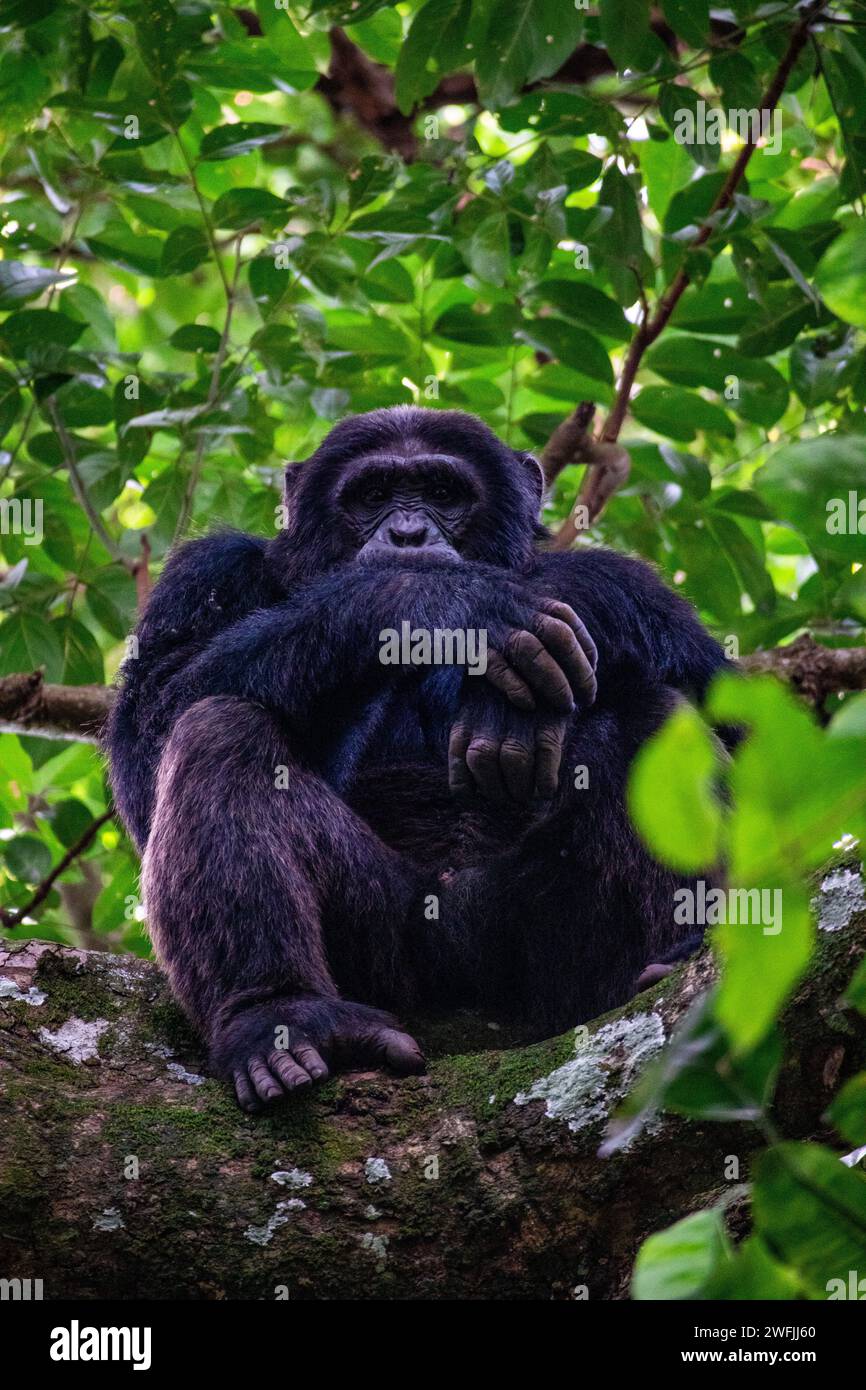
(124, 1172)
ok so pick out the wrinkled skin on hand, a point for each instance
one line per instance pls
(512, 751)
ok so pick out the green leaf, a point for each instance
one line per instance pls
(753, 1273)
(462, 324)
(785, 313)
(27, 858)
(27, 643)
(625, 32)
(165, 496)
(69, 820)
(849, 721)
(841, 276)
(240, 207)
(195, 337)
(685, 114)
(525, 40)
(572, 345)
(818, 368)
(789, 812)
(112, 908)
(697, 1075)
(811, 483)
(679, 414)
(226, 141)
(433, 46)
(20, 282)
(688, 18)
(622, 249)
(677, 1263)
(31, 328)
(160, 32)
(587, 306)
(80, 403)
(811, 1210)
(112, 600)
(748, 385)
(848, 1111)
(487, 251)
(82, 659)
(10, 403)
(736, 78)
(670, 793)
(666, 168)
(185, 249)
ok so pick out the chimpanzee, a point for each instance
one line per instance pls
(328, 833)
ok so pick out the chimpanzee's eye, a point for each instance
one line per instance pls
(373, 495)
(442, 492)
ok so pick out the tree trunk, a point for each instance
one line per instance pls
(125, 1173)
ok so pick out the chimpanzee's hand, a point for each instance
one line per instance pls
(503, 753)
(272, 1049)
(551, 662)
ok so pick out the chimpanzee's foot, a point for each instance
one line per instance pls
(282, 1045)
(651, 974)
(657, 970)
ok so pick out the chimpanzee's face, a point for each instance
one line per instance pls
(417, 505)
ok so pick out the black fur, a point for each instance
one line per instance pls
(270, 903)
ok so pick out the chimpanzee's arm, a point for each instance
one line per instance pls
(216, 625)
(206, 586)
(324, 642)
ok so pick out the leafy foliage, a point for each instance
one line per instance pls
(206, 260)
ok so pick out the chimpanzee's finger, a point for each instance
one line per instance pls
(244, 1092)
(540, 670)
(557, 609)
(267, 1086)
(506, 680)
(459, 777)
(517, 764)
(549, 743)
(482, 759)
(562, 644)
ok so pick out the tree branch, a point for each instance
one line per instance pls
(814, 671)
(594, 493)
(29, 706)
(571, 442)
(480, 1180)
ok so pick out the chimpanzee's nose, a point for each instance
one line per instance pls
(407, 529)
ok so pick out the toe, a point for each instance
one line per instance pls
(401, 1052)
(247, 1099)
(286, 1066)
(266, 1085)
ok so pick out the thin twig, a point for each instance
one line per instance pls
(212, 396)
(651, 326)
(96, 522)
(13, 917)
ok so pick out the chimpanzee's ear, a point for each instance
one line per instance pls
(531, 469)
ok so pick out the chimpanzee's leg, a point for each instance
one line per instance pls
(247, 853)
(558, 929)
